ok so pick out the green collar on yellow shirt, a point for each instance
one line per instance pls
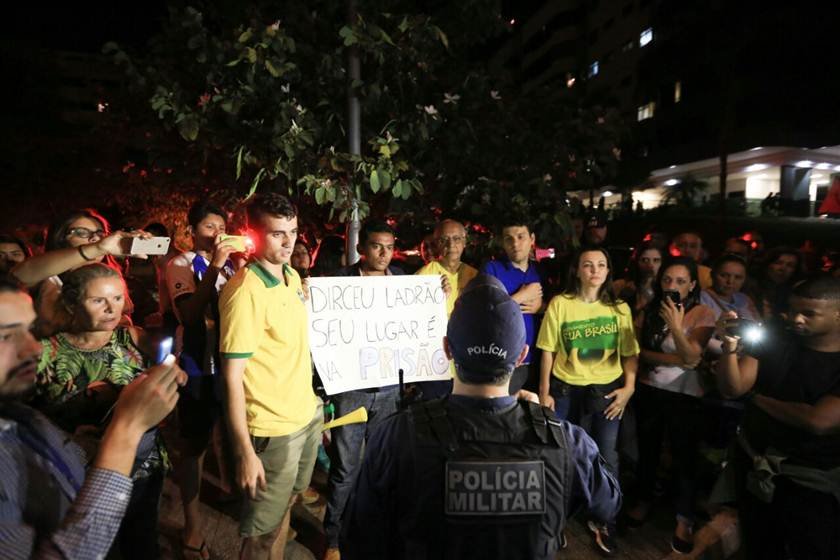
(267, 277)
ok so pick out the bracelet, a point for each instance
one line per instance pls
(735, 350)
(82, 253)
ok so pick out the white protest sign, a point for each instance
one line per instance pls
(363, 330)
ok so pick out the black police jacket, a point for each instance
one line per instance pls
(485, 485)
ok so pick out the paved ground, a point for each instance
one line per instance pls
(648, 543)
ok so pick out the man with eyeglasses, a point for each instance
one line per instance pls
(450, 239)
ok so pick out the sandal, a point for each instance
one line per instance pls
(192, 553)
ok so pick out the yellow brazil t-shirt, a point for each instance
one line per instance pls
(458, 280)
(589, 339)
(264, 319)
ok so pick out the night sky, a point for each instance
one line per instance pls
(83, 26)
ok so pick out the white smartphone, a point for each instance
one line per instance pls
(150, 246)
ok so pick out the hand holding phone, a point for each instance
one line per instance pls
(149, 246)
(240, 243)
(673, 295)
(163, 350)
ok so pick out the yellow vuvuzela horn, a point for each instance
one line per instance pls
(358, 415)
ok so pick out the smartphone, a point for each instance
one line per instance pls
(163, 350)
(239, 242)
(150, 246)
(673, 295)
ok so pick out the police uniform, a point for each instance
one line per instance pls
(467, 477)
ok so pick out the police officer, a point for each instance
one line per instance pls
(476, 474)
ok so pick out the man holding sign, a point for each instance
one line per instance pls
(478, 474)
(376, 249)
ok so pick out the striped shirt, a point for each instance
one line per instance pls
(49, 509)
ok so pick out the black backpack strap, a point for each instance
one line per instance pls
(546, 426)
(440, 424)
(432, 425)
(422, 425)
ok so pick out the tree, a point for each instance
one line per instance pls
(257, 95)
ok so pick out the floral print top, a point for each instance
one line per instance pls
(77, 387)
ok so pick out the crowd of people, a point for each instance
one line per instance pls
(710, 375)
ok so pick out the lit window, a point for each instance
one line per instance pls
(593, 69)
(645, 112)
(677, 92)
(646, 37)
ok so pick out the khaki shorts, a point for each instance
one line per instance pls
(288, 462)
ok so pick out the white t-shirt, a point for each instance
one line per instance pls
(180, 277)
(181, 280)
(678, 379)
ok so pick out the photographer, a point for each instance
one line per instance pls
(787, 461)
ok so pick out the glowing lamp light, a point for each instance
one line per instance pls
(824, 166)
(671, 182)
(647, 237)
(607, 193)
(674, 252)
(756, 167)
(804, 163)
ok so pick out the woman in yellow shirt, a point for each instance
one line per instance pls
(590, 358)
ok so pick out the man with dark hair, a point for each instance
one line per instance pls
(521, 277)
(595, 228)
(376, 248)
(690, 244)
(194, 280)
(274, 416)
(787, 461)
(477, 474)
(49, 507)
(12, 252)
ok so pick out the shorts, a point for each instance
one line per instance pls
(288, 462)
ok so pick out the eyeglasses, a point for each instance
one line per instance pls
(455, 240)
(85, 233)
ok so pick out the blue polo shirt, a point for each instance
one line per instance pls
(513, 279)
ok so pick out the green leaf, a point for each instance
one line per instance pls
(245, 35)
(251, 54)
(385, 150)
(442, 36)
(348, 35)
(386, 37)
(403, 25)
(233, 62)
(385, 178)
(256, 182)
(320, 195)
(374, 181)
(272, 70)
(239, 162)
(188, 128)
(397, 192)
